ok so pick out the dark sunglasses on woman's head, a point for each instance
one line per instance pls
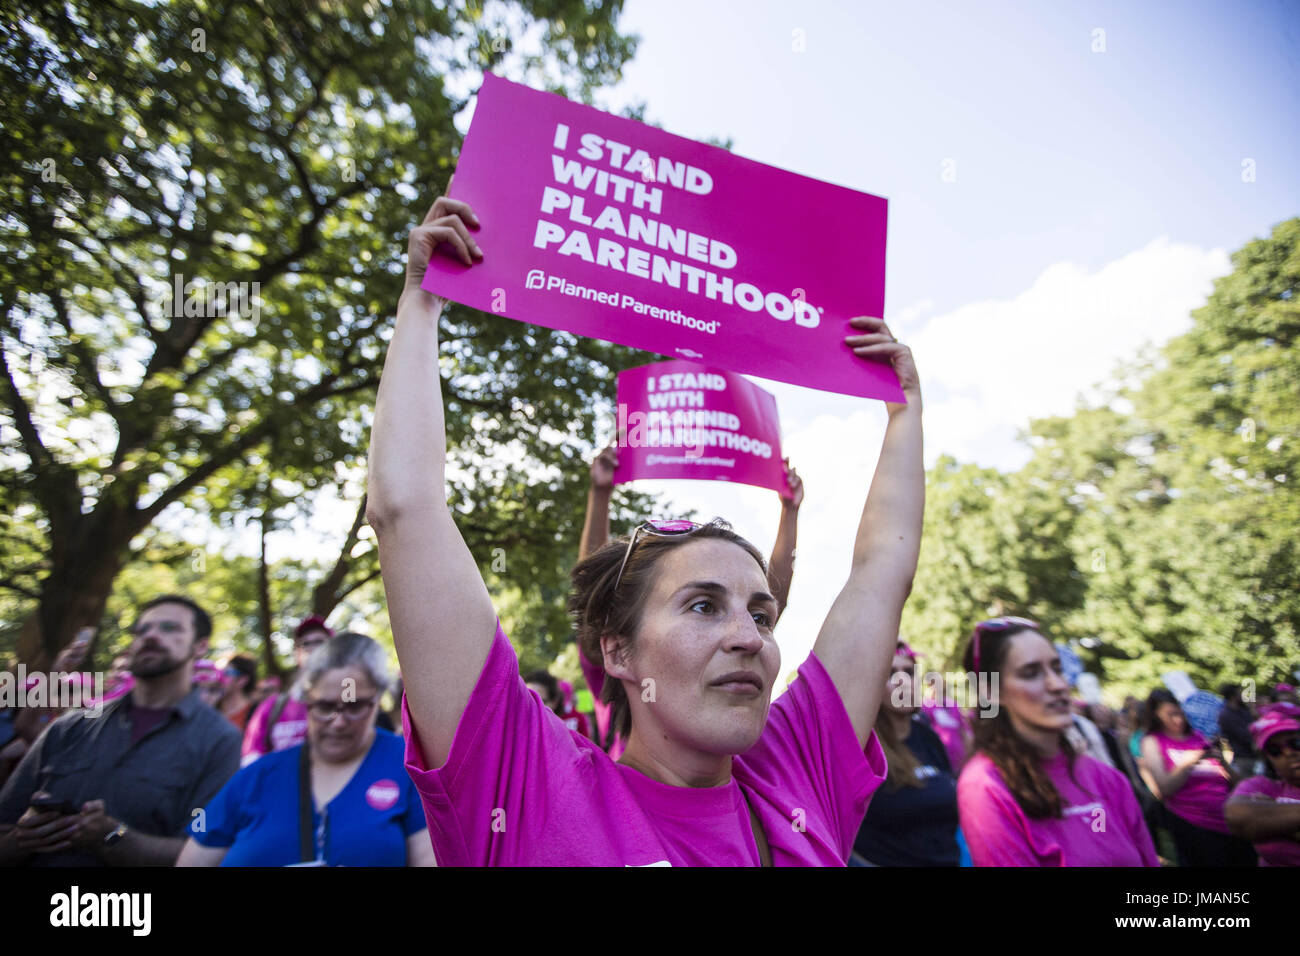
(661, 529)
(1276, 746)
(995, 626)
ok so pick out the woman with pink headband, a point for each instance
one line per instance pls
(1026, 798)
(679, 616)
(1266, 809)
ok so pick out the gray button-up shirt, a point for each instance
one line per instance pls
(152, 786)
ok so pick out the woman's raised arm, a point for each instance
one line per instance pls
(857, 641)
(442, 618)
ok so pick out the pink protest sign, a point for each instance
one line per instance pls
(682, 420)
(611, 229)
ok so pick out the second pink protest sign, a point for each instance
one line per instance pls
(611, 229)
(682, 420)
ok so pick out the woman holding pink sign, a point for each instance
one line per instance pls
(595, 535)
(680, 616)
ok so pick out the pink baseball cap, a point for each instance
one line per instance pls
(313, 623)
(1274, 719)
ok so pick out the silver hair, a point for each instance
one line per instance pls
(346, 649)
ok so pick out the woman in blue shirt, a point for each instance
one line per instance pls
(912, 819)
(341, 799)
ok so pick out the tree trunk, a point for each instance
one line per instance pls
(76, 591)
(326, 595)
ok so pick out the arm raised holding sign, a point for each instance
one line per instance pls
(857, 640)
(442, 618)
(679, 617)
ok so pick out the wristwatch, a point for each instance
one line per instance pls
(115, 837)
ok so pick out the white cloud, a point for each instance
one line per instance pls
(988, 367)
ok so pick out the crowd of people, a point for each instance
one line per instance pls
(684, 758)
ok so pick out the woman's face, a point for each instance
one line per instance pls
(1030, 686)
(1171, 719)
(705, 659)
(899, 695)
(341, 710)
(1287, 763)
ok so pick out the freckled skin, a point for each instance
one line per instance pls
(689, 637)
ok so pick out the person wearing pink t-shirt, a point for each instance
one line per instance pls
(679, 617)
(280, 721)
(595, 535)
(1266, 809)
(1025, 798)
(1193, 781)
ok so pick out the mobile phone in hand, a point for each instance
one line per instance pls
(45, 802)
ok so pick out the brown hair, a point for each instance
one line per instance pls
(598, 608)
(900, 762)
(1019, 764)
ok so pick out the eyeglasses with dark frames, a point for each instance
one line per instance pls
(329, 709)
(1276, 746)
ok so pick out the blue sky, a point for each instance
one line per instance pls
(1059, 152)
(1096, 197)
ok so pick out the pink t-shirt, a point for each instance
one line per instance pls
(519, 789)
(594, 674)
(1200, 800)
(1272, 852)
(289, 731)
(948, 723)
(1101, 823)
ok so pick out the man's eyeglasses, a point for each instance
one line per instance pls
(996, 626)
(165, 627)
(329, 709)
(1277, 745)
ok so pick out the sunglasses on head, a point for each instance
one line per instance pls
(996, 626)
(1277, 745)
(660, 529)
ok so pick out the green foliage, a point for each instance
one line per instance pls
(1162, 525)
(289, 145)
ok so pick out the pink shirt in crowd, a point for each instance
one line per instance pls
(289, 731)
(594, 674)
(1272, 852)
(1101, 823)
(518, 789)
(1200, 800)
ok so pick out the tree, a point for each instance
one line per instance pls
(1159, 527)
(267, 159)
